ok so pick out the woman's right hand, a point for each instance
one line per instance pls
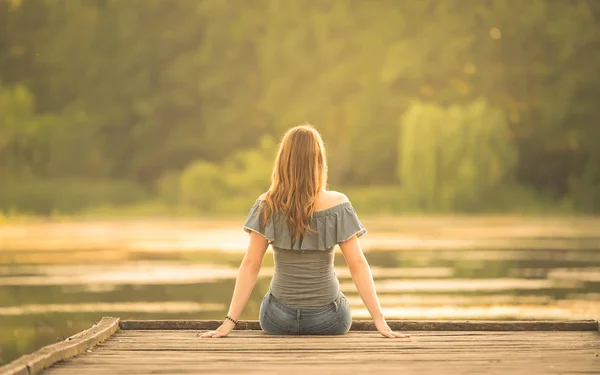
(386, 331)
(222, 331)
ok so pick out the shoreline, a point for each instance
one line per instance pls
(385, 233)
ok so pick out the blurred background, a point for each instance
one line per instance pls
(135, 135)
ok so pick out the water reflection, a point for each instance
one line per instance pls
(142, 273)
(141, 307)
(591, 274)
(150, 273)
(468, 285)
(454, 300)
(494, 312)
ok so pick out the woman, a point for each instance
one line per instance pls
(303, 222)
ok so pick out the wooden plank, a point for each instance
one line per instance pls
(238, 340)
(337, 369)
(367, 325)
(574, 325)
(47, 356)
(356, 336)
(290, 357)
(184, 325)
(367, 335)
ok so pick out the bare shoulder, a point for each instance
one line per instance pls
(328, 199)
(263, 196)
(336, 197)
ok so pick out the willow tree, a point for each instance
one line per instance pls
(454, 157)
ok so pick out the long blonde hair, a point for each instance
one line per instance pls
(299, 173)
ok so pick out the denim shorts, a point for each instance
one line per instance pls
(276, 318)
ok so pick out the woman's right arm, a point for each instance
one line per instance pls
(363, 279)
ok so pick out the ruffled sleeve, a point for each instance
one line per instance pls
(348, 225)
(255, 223)
(334, 225)
(331, 226)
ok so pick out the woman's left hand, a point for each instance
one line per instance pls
(222, 331)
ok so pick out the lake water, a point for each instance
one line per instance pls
(49, 294)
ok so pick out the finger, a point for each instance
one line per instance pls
(388, 334)
(401, 335)
(208, 334)
(219, 334)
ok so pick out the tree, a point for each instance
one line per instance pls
(144, 87)
(455, 158)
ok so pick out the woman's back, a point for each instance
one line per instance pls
(304, 276)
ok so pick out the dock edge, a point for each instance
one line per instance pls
(34, 363)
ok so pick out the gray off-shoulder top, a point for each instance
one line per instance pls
(304, 276)
(333, 225)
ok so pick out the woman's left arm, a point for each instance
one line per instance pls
(246, 279)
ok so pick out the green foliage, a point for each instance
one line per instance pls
(247, 173)
(138, 90)
(586, 189)
(201, 186)
(167, 188)
(21, 133)
(455, 158)
(65, 195)
(225, 187)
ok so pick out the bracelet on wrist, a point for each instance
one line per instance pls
(233, 320)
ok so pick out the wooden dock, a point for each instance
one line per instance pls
(438, 347)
